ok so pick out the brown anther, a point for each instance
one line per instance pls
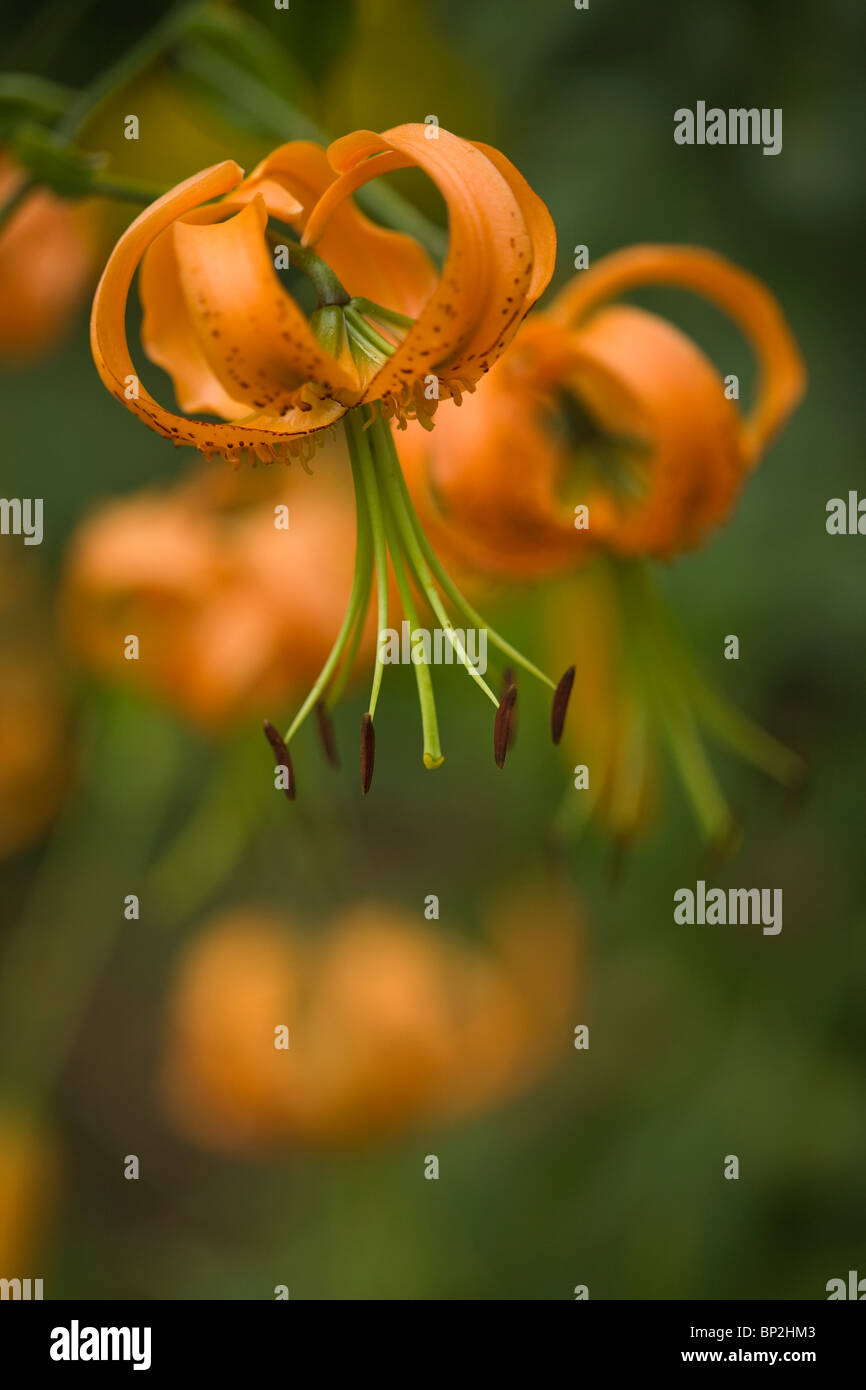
(560, 704)
(326, 734)
(502, 725)
(281, 756)
(368, 752)
(508, 679)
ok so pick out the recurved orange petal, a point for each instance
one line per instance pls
(640, 377)
(254, 335)
(742, 296)
(168, 336)
(662, 460)
(111, 351)
(372, 262)
(492, 273)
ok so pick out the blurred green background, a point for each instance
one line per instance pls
(704, 1042)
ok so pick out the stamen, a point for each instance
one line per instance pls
(355, 612)
(696, 773)
(326, 734)
(389, 469)
(507, 680)
(281, 756)
(561, 697)
(502, 725)
(432, 755)
(362, 461)
(444, 580)
(368, 752)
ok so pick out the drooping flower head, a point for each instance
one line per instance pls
(613, 409)
(238, 345)
(606, 434)
(388, 338)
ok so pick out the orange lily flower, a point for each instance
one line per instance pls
(388, 339)
(613, 410)
(47, 256)
(619, 412)
(390, 1025)
(236, 344)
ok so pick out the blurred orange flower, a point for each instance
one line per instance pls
(391, 1025)
(239, 346)
(36, 763)
(232, 589)
(605, 434)
(26, 1189)
(611, 408)
(48, 253)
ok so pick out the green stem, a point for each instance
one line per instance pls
(363, 458)
(389, 470)
(337, 686)
(698, 777)
(730, 726)
(433, 756)
(669, 702)
(744, 737)
(381, 314)
(324, 281)
(376, 345)
(356, 606)
(444, 580)
(125, 190)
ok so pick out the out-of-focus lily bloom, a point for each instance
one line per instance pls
(388, 338)
(391, 1025)
(605, 434)
(230, 609)
(47, 257)
(35, 758)
(26, 1188)
(641, 697)
(613, 409)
